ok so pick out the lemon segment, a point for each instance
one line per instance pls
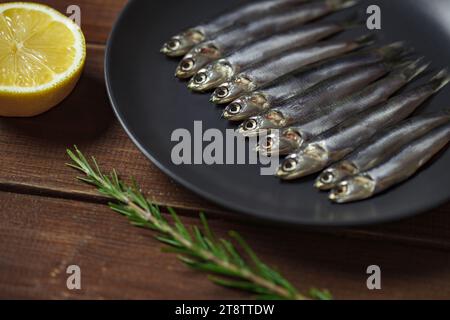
(42, 54)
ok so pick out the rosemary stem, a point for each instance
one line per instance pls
(199, 248)
(207, 256)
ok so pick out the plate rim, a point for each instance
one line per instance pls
(204, 194)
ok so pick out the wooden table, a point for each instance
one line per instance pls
(50, 221)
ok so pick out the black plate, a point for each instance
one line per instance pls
(151, 103)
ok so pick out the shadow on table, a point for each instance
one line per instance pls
(412, 255)
(83, 116)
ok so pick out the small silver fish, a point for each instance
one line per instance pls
(216, 73)
(312, 121)
(339, 141)
(276, 67)
(358, 128)
(292, 85)
(228, 42)
(180, 44)
(303, 163)
(345, 138)
(382, 146)
(397, 169)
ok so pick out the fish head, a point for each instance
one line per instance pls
(329, 178)
(253, 126)
(289, 141)
(355, 188)
(306, 162)
(246, 106)
(180, 44)
(196, 59)
(231, 90)
(211, 76)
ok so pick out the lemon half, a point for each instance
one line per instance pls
(42, 54)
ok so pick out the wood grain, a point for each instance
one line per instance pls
(50, 220)
(119, 261)
(33, 153)
(33, 149)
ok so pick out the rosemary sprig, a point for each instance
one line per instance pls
(198, 248)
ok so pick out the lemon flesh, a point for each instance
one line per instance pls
(42, 54)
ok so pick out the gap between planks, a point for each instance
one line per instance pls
(74, 195)
(89, 197)
(93, 197)
(95, 46)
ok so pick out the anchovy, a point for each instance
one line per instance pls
(402, 166)
(297, 83)
(340, 141)
(268, 71)
(310, 122)
(323, 93)
(228, 42)
(180, 44)
(222, 70)
(368, 121)
(379, 148)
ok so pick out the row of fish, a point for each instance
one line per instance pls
(334, 103)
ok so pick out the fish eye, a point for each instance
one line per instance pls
(327, 177)
(250, 125)
(234, 108)
(289, 165)
(173, 44)
(224, 63)
(289, 134)
(222, 92)
(187, 64)
(269, 143)
(342, 189)
(253, 98)
(200, 78)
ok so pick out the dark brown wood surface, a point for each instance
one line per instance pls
(50, 221)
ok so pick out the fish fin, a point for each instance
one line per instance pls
(366, 40)
(412, 69)
(440, 80)
(342, 4)
(395, 52)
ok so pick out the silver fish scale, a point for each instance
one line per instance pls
(276, 68)
(384, 144)
(272, 46)
(410, 159)
(358, 129)
(328, 116)
(297, 83)
(329, 90)
(246, 13)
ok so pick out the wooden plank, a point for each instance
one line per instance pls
(42, 236)
(33, 149)
(33, 156)
(97, 17)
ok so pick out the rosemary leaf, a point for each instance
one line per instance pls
(200, 250)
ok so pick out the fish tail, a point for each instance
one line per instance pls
(341, 4)
(411, 69)
(395, 52)
(366, 40)
(440, 80)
